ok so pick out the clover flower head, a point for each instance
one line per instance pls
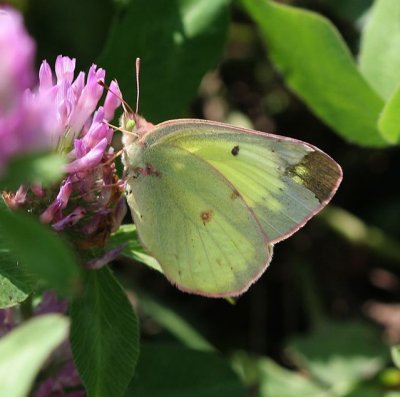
(61, 113)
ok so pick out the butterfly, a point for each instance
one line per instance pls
(210, 200)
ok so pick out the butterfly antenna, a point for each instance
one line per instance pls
(137, 84)
(116, 128)
(125, 105)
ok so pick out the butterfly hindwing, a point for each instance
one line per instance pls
(206, 239)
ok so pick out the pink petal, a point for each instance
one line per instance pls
(88, 100)
(71, 219)
(17, 51)
(112, 101)
(65, 68)
(58, 204)
(89, 160)
(45, 77)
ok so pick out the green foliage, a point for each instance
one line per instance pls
(279, 382)
(104, 335)
(39, 251)
(15, 284)
(389, 120)
(178, 42)
(354, 353)
(318, 66)
(127, 235)
(174, 323)
(344, 367)
(168, 371)
(380, 63)
(380, 55)
(76, 29)
(25, 350)
(38, 168)
(349, 9)
(395, 351)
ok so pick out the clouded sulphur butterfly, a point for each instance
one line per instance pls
(209, 200)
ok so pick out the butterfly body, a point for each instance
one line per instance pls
(209, 200)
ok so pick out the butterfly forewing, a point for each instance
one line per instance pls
(284, 181)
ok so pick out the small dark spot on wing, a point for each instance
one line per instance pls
(235, 194)
(235, 150)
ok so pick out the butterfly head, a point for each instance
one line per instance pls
(133, 127)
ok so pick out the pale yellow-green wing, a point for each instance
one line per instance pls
(209, 200)
(205, 241)
(284, 181)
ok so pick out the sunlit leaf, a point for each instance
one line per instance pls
(389, 120)
(15, 283)
(276, 381)
(319, 67)
(354, 353)
(395, 352)
(380, 55)
(25, 350)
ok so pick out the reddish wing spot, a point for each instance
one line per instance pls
(148, 170)
(206, 216)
